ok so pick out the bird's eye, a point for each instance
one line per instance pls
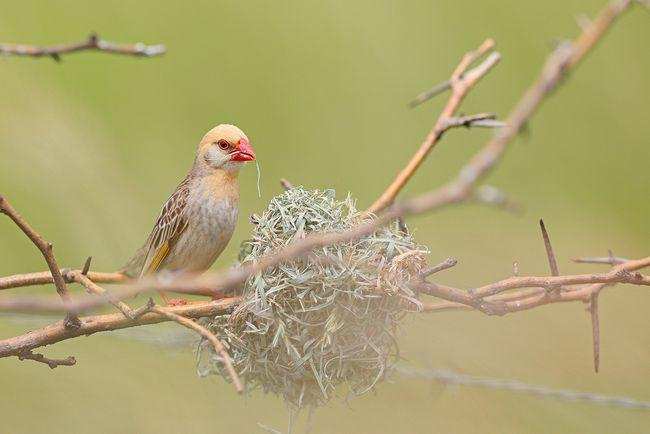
(223, 144)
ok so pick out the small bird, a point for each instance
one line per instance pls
(199, 218)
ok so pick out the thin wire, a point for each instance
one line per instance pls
(450, 377)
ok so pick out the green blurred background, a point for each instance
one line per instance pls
(91, 147)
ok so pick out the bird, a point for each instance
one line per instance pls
(198, 220)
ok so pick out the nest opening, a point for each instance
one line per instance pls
(311, 324)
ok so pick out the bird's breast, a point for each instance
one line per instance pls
(211, 222)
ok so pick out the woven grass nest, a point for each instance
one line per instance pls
(314, 323)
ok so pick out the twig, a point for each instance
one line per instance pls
(435, 91)
(45, 277)
(137, 313)
(485, 120)
(52, 363)
(216, 343)
(461, 83)
(610, 260)
(92, 287)
(447, 263)
(46, 250)
(92, 43)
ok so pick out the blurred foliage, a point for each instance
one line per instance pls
(91, 147)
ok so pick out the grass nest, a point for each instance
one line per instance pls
(310, 324)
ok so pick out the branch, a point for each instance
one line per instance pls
(93, 288)
(558, 65)
(52, 363)
(528, 299)
(46, 250)
(216, 343)
(57, 332)
(611, 260)
(92, 43)
(461, 84)
(45, 277)
(444, 265)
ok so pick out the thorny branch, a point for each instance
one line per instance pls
(510, 295)
(92, 43)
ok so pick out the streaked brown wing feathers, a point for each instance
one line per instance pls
(170, 224)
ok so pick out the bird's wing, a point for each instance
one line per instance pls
(170, 225)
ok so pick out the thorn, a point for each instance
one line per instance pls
(137, 313)
(71, 322)
(515, 268)
(549, 250)
(86, 267)
(93, 38)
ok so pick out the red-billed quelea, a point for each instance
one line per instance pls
(198, 220)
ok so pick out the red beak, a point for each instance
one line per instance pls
(244, 151)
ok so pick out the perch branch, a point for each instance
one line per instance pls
(92, 43)
(45, 277)
(56, 332)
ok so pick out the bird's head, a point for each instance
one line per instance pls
(225, 147)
